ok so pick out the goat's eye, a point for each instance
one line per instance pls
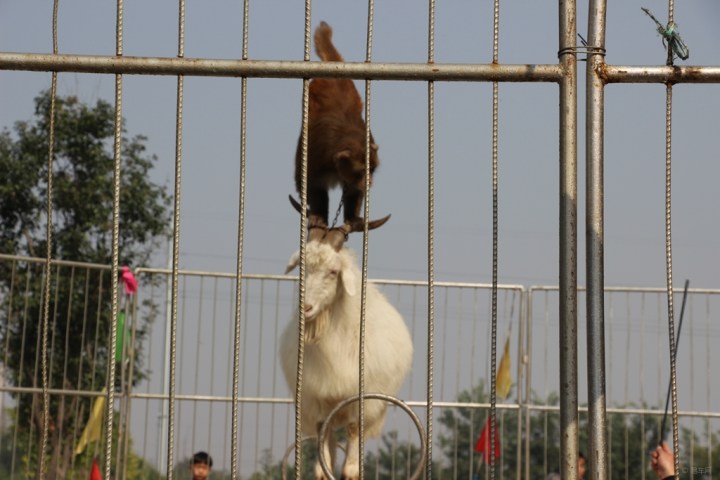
(333, 273)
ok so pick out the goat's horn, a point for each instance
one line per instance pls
(297, 205)
(337, 236)
(314, 220)
(358, 224)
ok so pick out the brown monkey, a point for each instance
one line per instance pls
(336, 139)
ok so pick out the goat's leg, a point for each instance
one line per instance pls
(351, 468)
(327, 449)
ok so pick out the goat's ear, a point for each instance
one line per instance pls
(293, 262)
(348, 280)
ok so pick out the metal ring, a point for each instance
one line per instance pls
(283, 470)
(373, 396)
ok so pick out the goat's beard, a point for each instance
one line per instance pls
(315, 328)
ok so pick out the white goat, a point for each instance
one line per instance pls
(332, 349)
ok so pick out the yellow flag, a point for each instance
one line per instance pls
(503, 380)
(94, 424)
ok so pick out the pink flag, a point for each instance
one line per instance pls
(131, 284)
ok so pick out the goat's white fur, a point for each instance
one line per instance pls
(331, 362)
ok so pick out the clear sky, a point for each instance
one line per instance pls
(528, 133)
(528, 145)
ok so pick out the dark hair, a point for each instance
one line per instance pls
(201, 457)
(580, 455)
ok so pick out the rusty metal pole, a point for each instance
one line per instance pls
(568, 241)
(594, 229)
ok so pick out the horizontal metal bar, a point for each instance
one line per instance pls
(278, 69)
(62, 263)
(627, 411)
(144, 396)
(249, 276)
(659, 74)
(289, 401)
(380, 281)
(663, 290)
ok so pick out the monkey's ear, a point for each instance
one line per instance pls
(374, 147)
(342, 155)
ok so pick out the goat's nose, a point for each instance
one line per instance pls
(308, 307)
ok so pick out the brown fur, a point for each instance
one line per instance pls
(336, 139)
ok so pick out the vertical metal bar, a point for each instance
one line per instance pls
(708, 381)
(495, 205)
(48, 259)
(228, 379)
(668, 268)
(214, 348)
(303, 244)
(668, 249)
(61, 407)
(363, 286)
(117, 156)
(568, 242)
(528, 381)
(234, 441)
(6, 350)
(431, 241)
(163, 419)
(594, 231)
(260, 342)
(199, 341)
(131, 310)
(77, 409)
(175, 248)
(521, 355)
(273, 392)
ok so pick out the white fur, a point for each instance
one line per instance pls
(331, 363)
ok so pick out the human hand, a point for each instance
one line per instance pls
(663, 461)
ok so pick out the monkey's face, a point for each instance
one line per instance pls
(351, 167)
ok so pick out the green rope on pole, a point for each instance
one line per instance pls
(671, 38)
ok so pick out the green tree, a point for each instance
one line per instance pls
(82, 212)
(630, 439)
(394, 459)
(631, 436)
(462, 427)
(270, 469)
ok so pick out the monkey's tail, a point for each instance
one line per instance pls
(323, 44)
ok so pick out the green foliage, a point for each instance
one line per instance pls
(463, 426)
(79, 312)
(395, 459)
(25, 465)
(630, 436)
(270, 469)
(82, 189)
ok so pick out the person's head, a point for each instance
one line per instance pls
(581, 465)
(200, 465)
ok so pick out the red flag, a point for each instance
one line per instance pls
(131, 284)
(95, 471)
(483, 442)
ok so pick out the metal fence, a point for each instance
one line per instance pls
(204, 342)
(206, 307)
